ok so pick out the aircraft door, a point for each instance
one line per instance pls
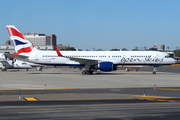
(124, 55)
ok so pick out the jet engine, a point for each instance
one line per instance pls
(107, 66)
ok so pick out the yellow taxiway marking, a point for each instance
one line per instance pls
(150, 99)
(162, 100)
(172, 101)
(167, 89)
(157, 98)
(31, 99)
(175, 65)
(142, 96)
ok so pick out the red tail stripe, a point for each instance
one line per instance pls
(14, 32)
(25, 50)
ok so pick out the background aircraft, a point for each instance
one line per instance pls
(91, 60)
(8, 63)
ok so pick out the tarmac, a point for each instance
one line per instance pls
(64, 84)
(68, 78)
(64, 93)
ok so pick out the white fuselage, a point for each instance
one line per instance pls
(116, 57)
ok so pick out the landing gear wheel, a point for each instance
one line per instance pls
(4, 70)
(84, 72)
(87, 72)
(90, 72)
(154, 70)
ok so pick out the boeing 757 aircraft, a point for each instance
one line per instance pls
(91, 60)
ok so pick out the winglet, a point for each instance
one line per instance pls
(59, 54)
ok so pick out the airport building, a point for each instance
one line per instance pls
(7, 48)
(62, 47)
(10, 48)
(41, 39)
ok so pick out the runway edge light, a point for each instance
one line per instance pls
(144, 95)
(19, 95)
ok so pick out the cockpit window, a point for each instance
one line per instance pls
(167, 56)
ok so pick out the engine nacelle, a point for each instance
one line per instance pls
(106, 66)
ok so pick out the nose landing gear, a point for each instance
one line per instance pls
(155, 69)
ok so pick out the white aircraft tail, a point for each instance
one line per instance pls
(21, 43)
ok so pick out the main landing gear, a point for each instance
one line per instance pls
(4, 69)
(39, 68)
(87, 72)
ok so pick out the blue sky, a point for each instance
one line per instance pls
(103, 24)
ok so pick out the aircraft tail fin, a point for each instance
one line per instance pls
(20, 42)
(6, 57)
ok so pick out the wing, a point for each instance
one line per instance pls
(84, 61)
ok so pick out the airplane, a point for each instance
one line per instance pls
(90, 60)
(9, 63)
(12, 64)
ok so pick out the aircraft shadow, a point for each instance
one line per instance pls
(12, 71)
(96, 74)
(104, 73)
(125, 73)
(44, 73)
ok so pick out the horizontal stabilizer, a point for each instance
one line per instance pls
(15, 56)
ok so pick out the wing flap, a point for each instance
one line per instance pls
(83, 61)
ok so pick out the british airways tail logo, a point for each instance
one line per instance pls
(25, 50)
(17, 42)
(14, 32)
(21, 44)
